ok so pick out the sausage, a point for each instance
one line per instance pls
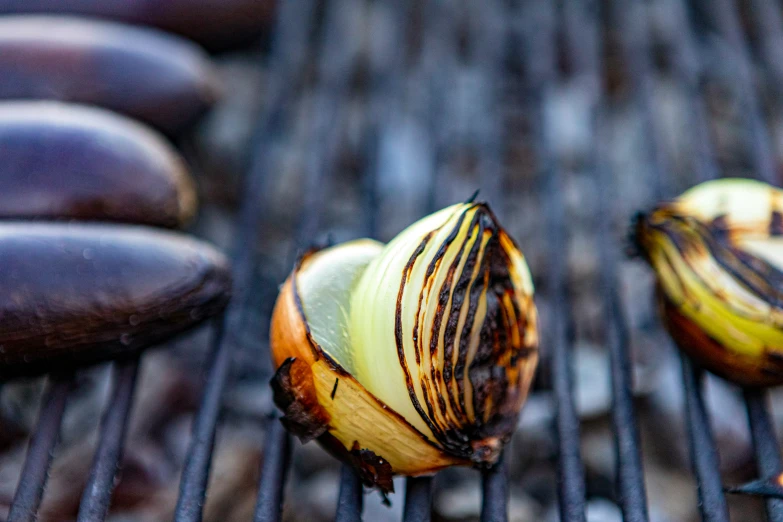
(155, 77)
(64, 161)
(75, 294)
(217, 24)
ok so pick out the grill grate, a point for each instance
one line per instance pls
(582, 25)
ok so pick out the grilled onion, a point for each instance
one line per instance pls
(717, 252)
(412, 356)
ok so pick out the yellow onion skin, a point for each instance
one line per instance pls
(419, 355)
(717, 252)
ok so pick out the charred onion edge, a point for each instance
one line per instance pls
(304, 416)
(374, 471)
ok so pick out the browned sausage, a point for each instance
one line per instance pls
(75, 162)
(76, 294)
(158, 78)
(214, 23)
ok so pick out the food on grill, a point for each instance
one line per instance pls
(74, 294)
(717, 252)
(152, 76)
(62, 161)
(412, 356)
(216, 23)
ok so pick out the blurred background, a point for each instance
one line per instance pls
(334, 119)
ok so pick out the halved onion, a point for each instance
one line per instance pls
(412, 356)
(717, 252)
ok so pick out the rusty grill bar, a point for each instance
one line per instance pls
(583, 26)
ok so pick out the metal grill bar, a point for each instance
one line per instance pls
(539, 56)
(418, 499)
(97, 493)
(571, 480)
(35, 471)
(635, 47)
(634, 40)
(289, 54)
(438, 72)
(291, 50)
(338, 55)
(765, 443)
(195, 474)
(770, 24)
(387, 78)
(277, 454)
(725, 16)
(702, 447)
(489, 35)
(286, 64)
(686, 69)
(494, 507)
(704, 453)
(630, 478)
(351, 499)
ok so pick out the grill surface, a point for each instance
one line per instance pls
(537, 36)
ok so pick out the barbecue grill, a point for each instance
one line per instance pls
(607, 48)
